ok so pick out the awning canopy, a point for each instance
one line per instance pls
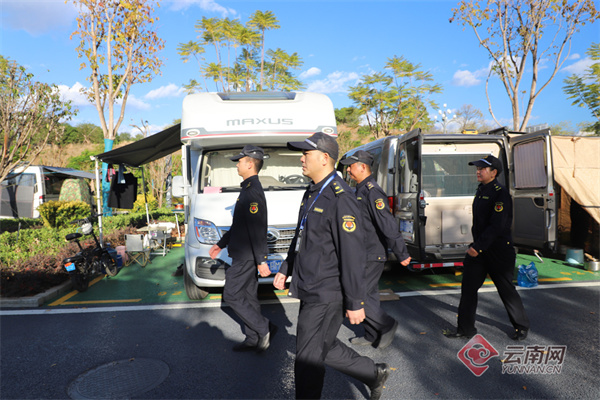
(577, 170)
(146, 150)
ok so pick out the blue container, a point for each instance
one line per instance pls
(574, 256)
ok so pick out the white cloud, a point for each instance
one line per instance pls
(574, 56)
(464, 77)
(334, 83)
(579, 67)
(37, 17)
(74, 94)
(134, 102)
(171, 90)
(206, 5)
(312, 71)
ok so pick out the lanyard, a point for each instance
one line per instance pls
(303, 221)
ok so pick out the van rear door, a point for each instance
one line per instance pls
(410, 209)
(532, 188)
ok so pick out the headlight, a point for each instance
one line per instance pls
(206, 231)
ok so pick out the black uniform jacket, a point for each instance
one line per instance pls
(330, 263)
(247, 237)
(492, 217)
(381, 228)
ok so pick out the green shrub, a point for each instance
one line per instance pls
(15, 224)
(140, 203)
(56, 214)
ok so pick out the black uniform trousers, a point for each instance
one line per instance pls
(500, 266)
(241, 293)
(317, 345)
(376, 320)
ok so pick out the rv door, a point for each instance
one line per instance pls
(410, 209)
(532, 188)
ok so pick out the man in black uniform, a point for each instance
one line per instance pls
(326, 261)
(491, 252)
(246, 241)
(381, 233)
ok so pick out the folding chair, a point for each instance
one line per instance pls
(136, 251)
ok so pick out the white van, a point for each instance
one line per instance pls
(430, 189)
(26, 188)
(215, 127)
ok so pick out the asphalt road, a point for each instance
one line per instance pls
(44, 351)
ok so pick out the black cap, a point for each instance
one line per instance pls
(488, 161)
(250, 151)
(319, 141)
(360, 156)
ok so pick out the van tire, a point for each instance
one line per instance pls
(192, 291)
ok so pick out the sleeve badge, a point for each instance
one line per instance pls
(253, 208)
(499, 207)
(349, 225)
(379, 204)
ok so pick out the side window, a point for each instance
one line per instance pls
(407, 167)
(530, 165)
(376, 153)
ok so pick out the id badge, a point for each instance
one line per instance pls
(299, 240)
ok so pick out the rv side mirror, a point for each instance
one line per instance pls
(178, 187)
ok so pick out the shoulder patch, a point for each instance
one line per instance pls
(370, 185)
(253, 208)
(497, 187)
(348, 223)
(337, 188)
(379, 204)
(499, 207)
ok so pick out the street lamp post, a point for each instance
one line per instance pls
(446, 118)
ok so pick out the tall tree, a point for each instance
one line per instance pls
(30, 116)
(469, 117)
(263, 20)
(119, 45)
(519, 36)
(584, 89)
(397, 98)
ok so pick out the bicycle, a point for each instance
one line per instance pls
(89, 261)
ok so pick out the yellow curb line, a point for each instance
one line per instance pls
(74, 292)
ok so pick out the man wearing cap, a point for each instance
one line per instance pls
(326, 260)
(491, 252)
(246, 242)
(381, 233)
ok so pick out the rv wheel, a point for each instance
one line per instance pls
(192, 291)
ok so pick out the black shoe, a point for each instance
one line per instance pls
(360, 341)
(246, 345)
(265, 341)
(382, 374)
(388, 337)
(520, 334)
(458, 335)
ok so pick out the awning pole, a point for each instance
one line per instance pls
(98, 199)
(145, 199)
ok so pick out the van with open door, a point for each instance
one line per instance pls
(215, 127)
(430, 189)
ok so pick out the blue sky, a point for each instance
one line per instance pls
(338, 40)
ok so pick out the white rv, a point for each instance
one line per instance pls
(430, 189)
(215, 127)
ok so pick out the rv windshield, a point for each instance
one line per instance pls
(448, 175)
(281, 170)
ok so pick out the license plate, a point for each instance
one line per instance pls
(70, 267)
(274, 265)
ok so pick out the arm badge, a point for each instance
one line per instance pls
(499, 207)
(253, 208)
(349, 225)
(379, 204)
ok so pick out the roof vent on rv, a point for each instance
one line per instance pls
(245, 96)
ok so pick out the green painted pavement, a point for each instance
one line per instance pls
(155, 284)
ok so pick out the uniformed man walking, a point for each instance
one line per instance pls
(246, 241)
(491, 252)
(381, 233)
(326, 261)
